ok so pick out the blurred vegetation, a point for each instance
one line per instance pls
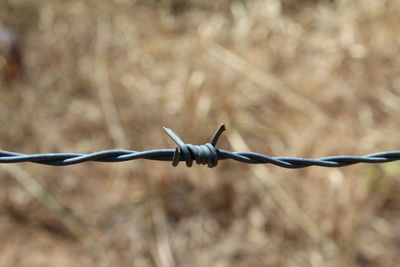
(289, 78)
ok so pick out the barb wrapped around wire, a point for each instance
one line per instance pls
(206, 154)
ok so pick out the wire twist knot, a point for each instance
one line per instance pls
(205, 154)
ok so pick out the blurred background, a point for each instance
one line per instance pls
(288, 77)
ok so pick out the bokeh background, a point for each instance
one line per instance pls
(287, 77)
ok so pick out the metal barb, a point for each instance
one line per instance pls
(204, 154)
(176, 157)
(217, 134)
(182, 148)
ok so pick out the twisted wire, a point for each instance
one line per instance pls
(206, 154)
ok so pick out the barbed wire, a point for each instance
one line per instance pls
(206, 154)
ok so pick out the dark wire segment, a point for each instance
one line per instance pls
(206, 154)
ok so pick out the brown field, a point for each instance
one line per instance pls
(288, 78)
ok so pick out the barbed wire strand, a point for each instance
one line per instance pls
(206, 154)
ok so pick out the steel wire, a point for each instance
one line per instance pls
(206, 154)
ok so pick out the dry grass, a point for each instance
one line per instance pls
(295, 78)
